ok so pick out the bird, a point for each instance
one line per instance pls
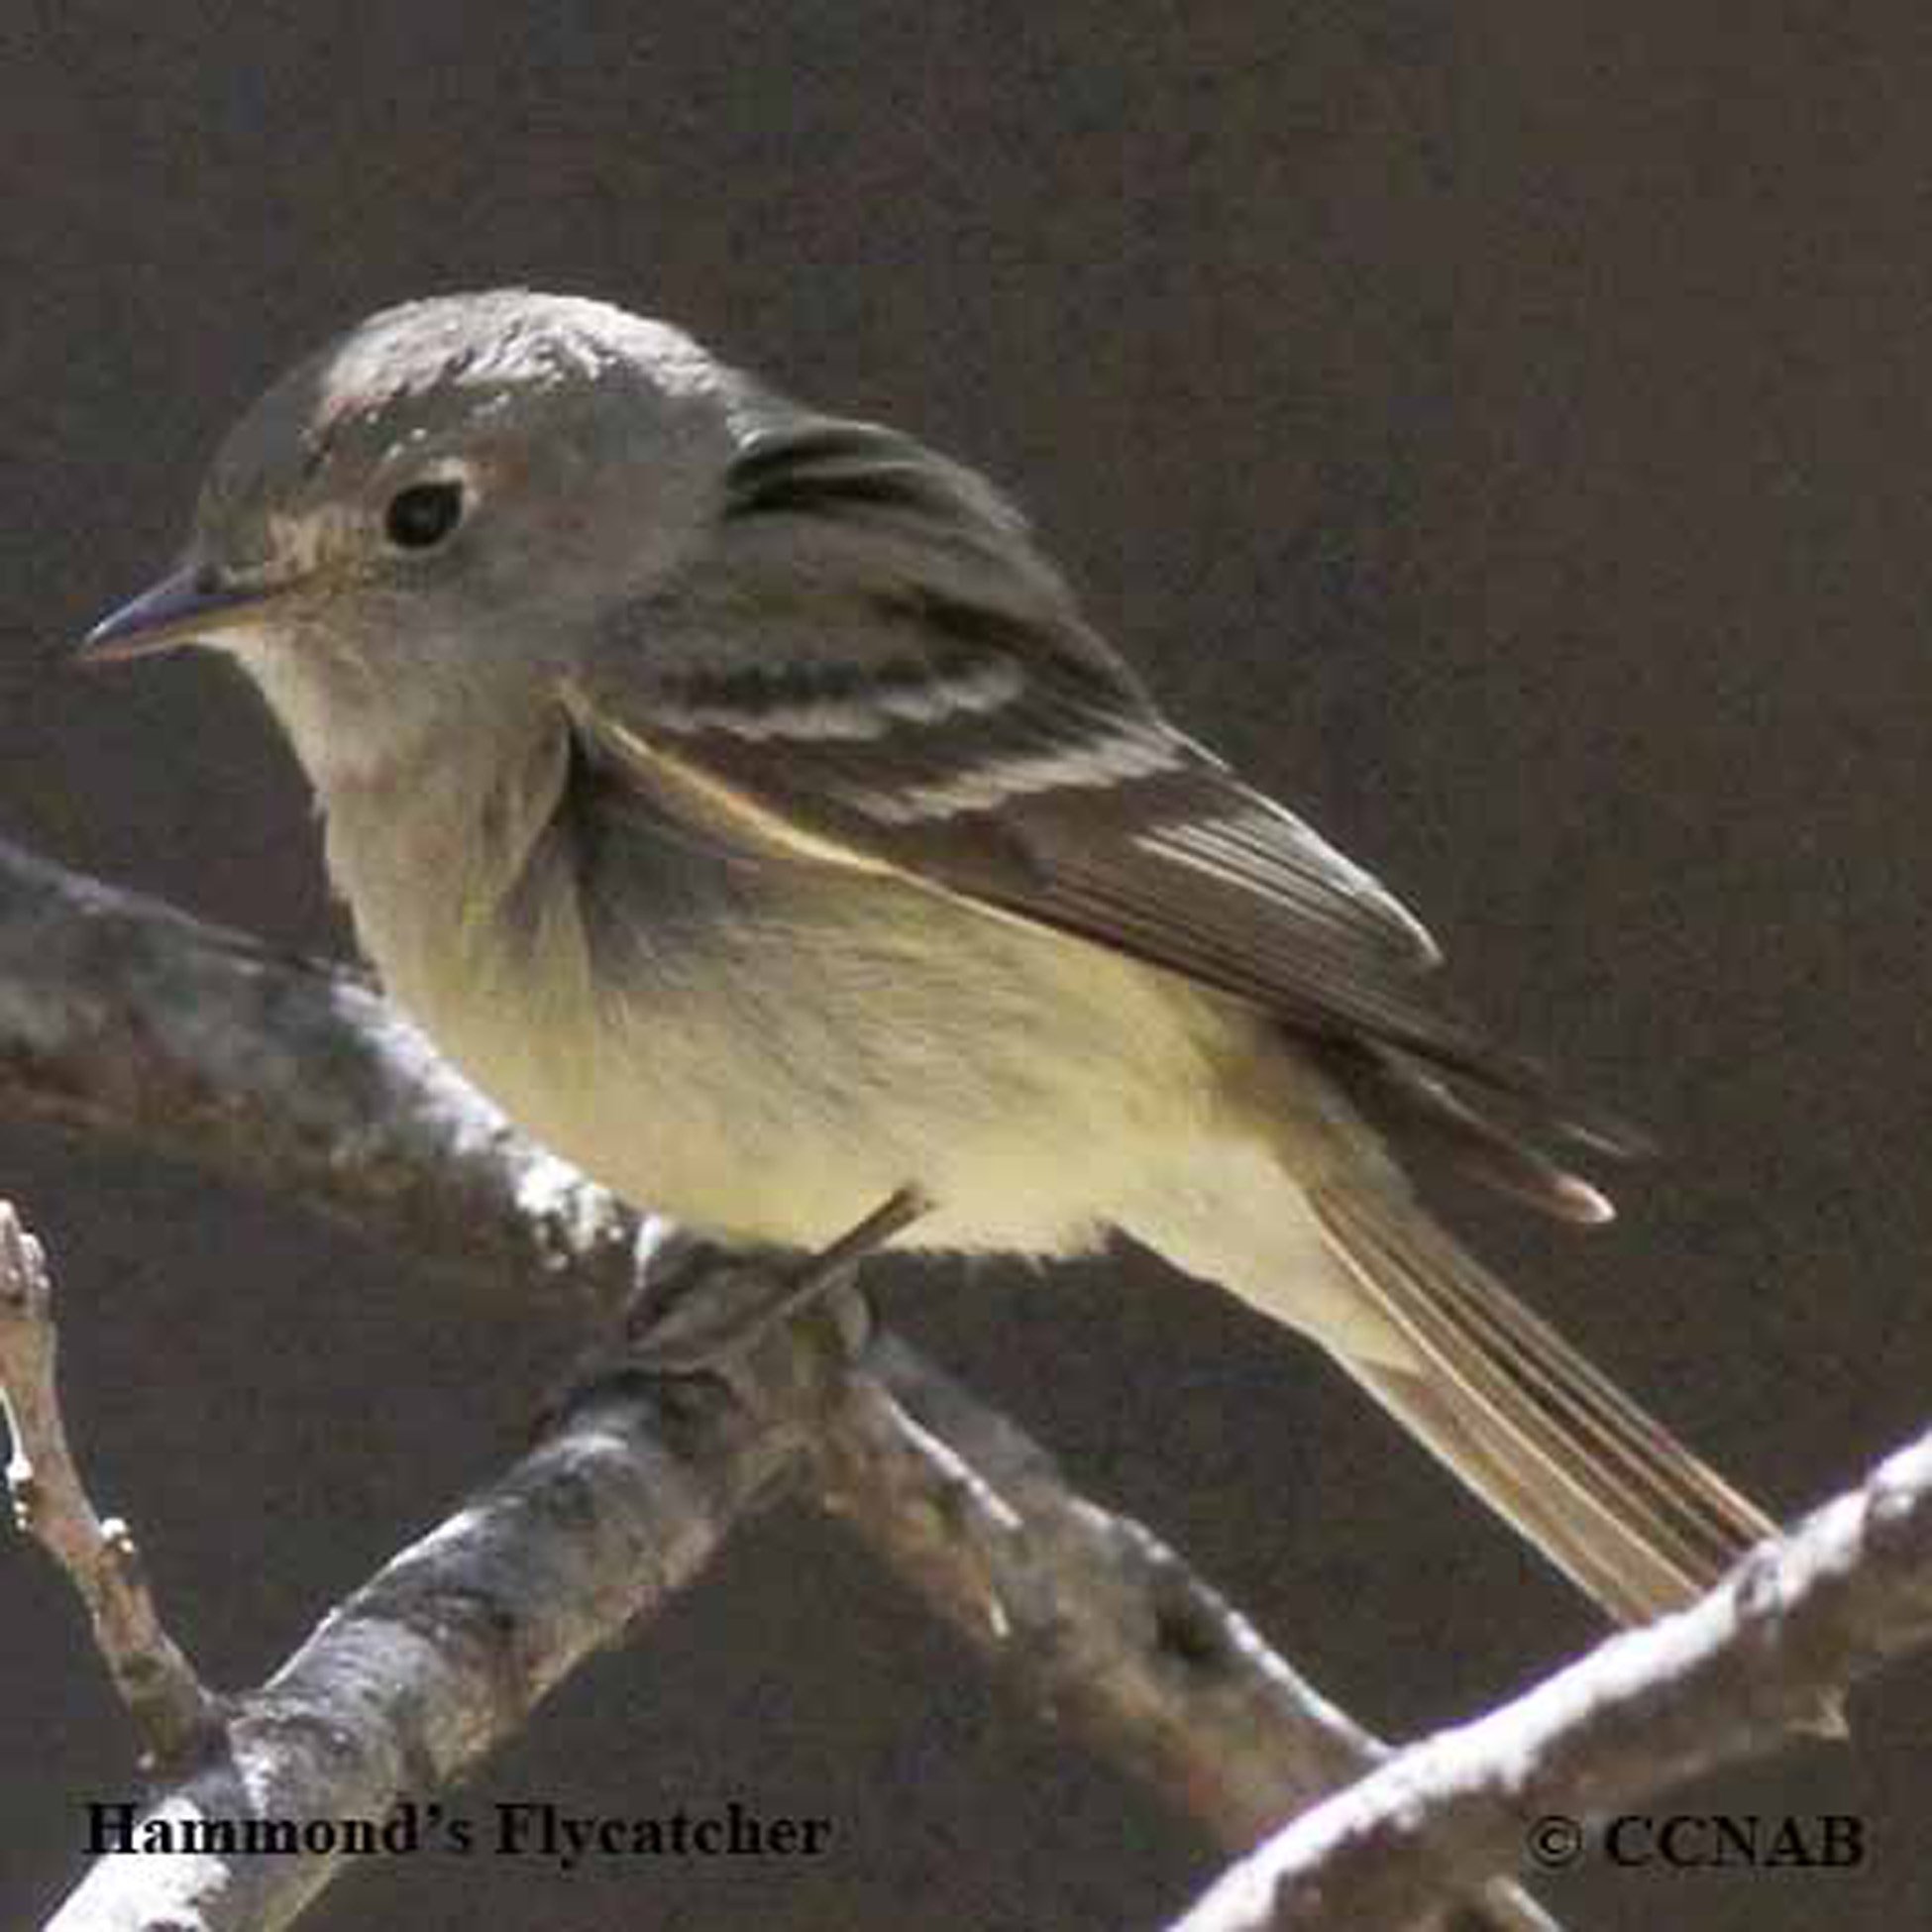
(737, 793)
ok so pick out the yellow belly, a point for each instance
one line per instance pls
(775, 1075)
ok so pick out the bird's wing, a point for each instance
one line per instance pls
(873, 669)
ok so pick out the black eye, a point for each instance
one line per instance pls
(423, 514)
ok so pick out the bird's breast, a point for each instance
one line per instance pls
(768, 1049)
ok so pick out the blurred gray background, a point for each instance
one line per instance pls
(1506, 436)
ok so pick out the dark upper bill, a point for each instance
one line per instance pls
(190, 606)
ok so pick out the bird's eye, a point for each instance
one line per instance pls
(421, 516)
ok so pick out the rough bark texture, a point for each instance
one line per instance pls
(1731, 1678)
(443, 1654)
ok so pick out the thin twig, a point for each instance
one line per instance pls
(172, 1711)
(1730, 1678)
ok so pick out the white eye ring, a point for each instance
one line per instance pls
(428, 511)
(421, 514)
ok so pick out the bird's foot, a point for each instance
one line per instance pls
(705, 1310)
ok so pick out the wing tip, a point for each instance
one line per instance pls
(1576, 1201)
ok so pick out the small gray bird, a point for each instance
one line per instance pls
(738, 797)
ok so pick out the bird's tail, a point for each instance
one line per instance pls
(1605, 1492)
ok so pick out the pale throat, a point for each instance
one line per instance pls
(430, 803)
(349, 726)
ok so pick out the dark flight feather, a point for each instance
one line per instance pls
(963, 728)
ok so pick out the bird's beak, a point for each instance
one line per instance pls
(191, 607)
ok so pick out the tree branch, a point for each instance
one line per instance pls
(1092, 1616)
(441, 1657)
(122, 1016)
(1730, 1678)
(1089, 1612)
(119, 1016)
(170, 1709)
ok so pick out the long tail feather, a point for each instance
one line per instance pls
(1606, 1493)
